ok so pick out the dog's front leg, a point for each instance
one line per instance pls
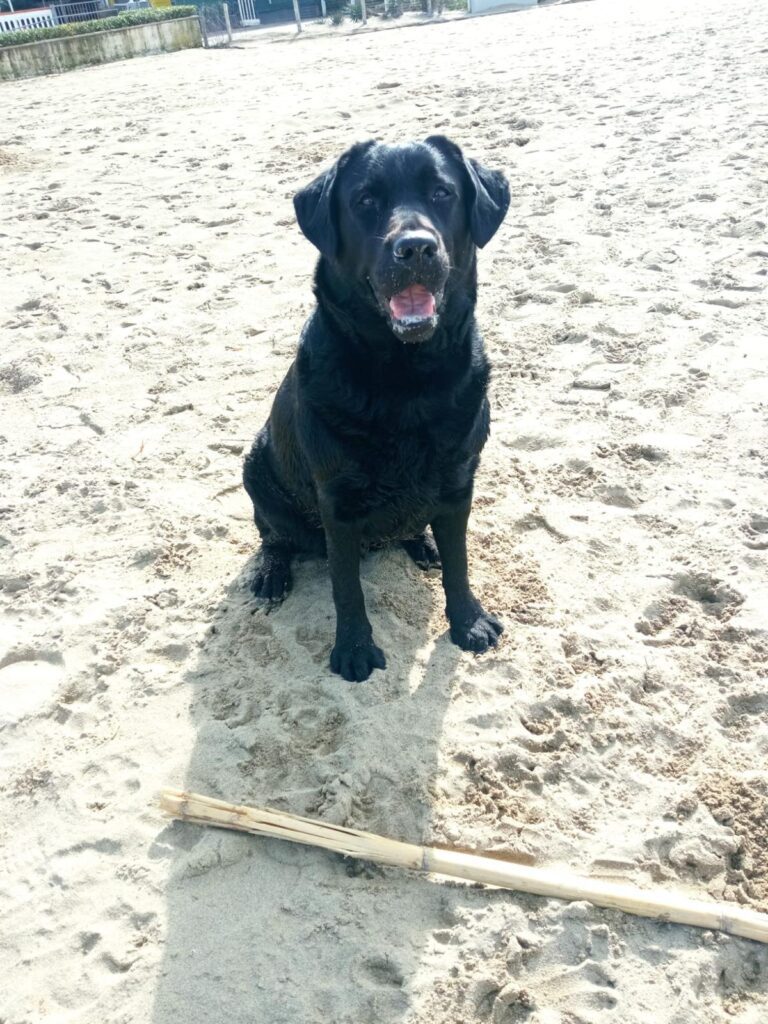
(472, 627)
(354, 655)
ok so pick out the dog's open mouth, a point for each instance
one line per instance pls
(412, 303)
(414, 312)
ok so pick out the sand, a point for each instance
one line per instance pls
(153, 285)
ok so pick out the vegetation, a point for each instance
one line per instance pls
(76, 28)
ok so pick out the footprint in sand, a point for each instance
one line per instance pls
(756, 530)
(28, 679)
(715, 597)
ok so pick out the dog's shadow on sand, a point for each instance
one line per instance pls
(266, 932)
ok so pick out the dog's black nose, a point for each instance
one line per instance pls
(415, 246)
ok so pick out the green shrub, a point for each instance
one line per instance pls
(337, 18)
(355, 11)
(77, 28)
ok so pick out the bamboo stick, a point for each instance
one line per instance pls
(556, 884)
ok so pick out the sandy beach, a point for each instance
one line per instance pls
(153, 283)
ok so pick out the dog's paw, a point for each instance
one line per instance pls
(272, 581)
(355, 662)
(423, 551)
(477, 634)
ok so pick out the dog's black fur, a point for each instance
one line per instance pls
(377, 428)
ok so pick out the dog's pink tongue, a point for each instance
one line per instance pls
(414, 301)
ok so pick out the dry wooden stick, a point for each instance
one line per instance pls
(664, 906)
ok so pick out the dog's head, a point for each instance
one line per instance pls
(402, 223)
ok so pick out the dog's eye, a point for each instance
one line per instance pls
(366, 200)
(441, 193)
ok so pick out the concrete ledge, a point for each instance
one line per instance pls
(51, 55)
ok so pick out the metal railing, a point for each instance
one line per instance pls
(221, 21)
(91, 10)
(215, 24)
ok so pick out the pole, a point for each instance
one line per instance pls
(363, 12)
(297, 15)
(203, 28)
(227, 22)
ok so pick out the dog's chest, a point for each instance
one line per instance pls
(395, 478)
(404, 446)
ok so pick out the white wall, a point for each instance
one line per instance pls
(478, 6)
(41, 17)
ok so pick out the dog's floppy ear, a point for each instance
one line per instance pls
(314, 204)
(488, 191)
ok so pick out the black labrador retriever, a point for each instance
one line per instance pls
(377, 428)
